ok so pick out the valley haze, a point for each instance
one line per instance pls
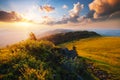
(9, 37)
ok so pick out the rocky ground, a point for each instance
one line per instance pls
(102, 75)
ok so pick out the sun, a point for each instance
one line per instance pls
(23, 24)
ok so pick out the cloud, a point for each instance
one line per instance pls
(10, 16)
(113, 3)
(47, 20)
(115, 15)
(76, 10)
(90, 14)
(73, 14)
(65, 7)
(47, 8)
(104, 7)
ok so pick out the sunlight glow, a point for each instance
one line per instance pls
(23, 24)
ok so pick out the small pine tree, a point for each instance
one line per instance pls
(32, 36)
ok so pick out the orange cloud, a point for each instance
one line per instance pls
(47, 8)
(104, 7)
(113, 2)
(10, 16)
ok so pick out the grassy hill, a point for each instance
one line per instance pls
(36, 60)
(69, 36)
(98, 58)
(103, 52)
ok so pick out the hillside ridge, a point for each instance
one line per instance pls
(69, 36)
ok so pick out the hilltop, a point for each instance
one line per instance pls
(59, 38)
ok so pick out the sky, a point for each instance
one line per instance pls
(31, 9)
(88, 14)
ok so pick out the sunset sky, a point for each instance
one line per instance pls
(67, 13)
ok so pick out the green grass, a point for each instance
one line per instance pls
(103, 51)
(26, 61)
(36, 60)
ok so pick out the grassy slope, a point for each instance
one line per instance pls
(37, 60)
(19, 61)
(103, 51)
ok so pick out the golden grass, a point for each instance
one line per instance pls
(104, 51)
